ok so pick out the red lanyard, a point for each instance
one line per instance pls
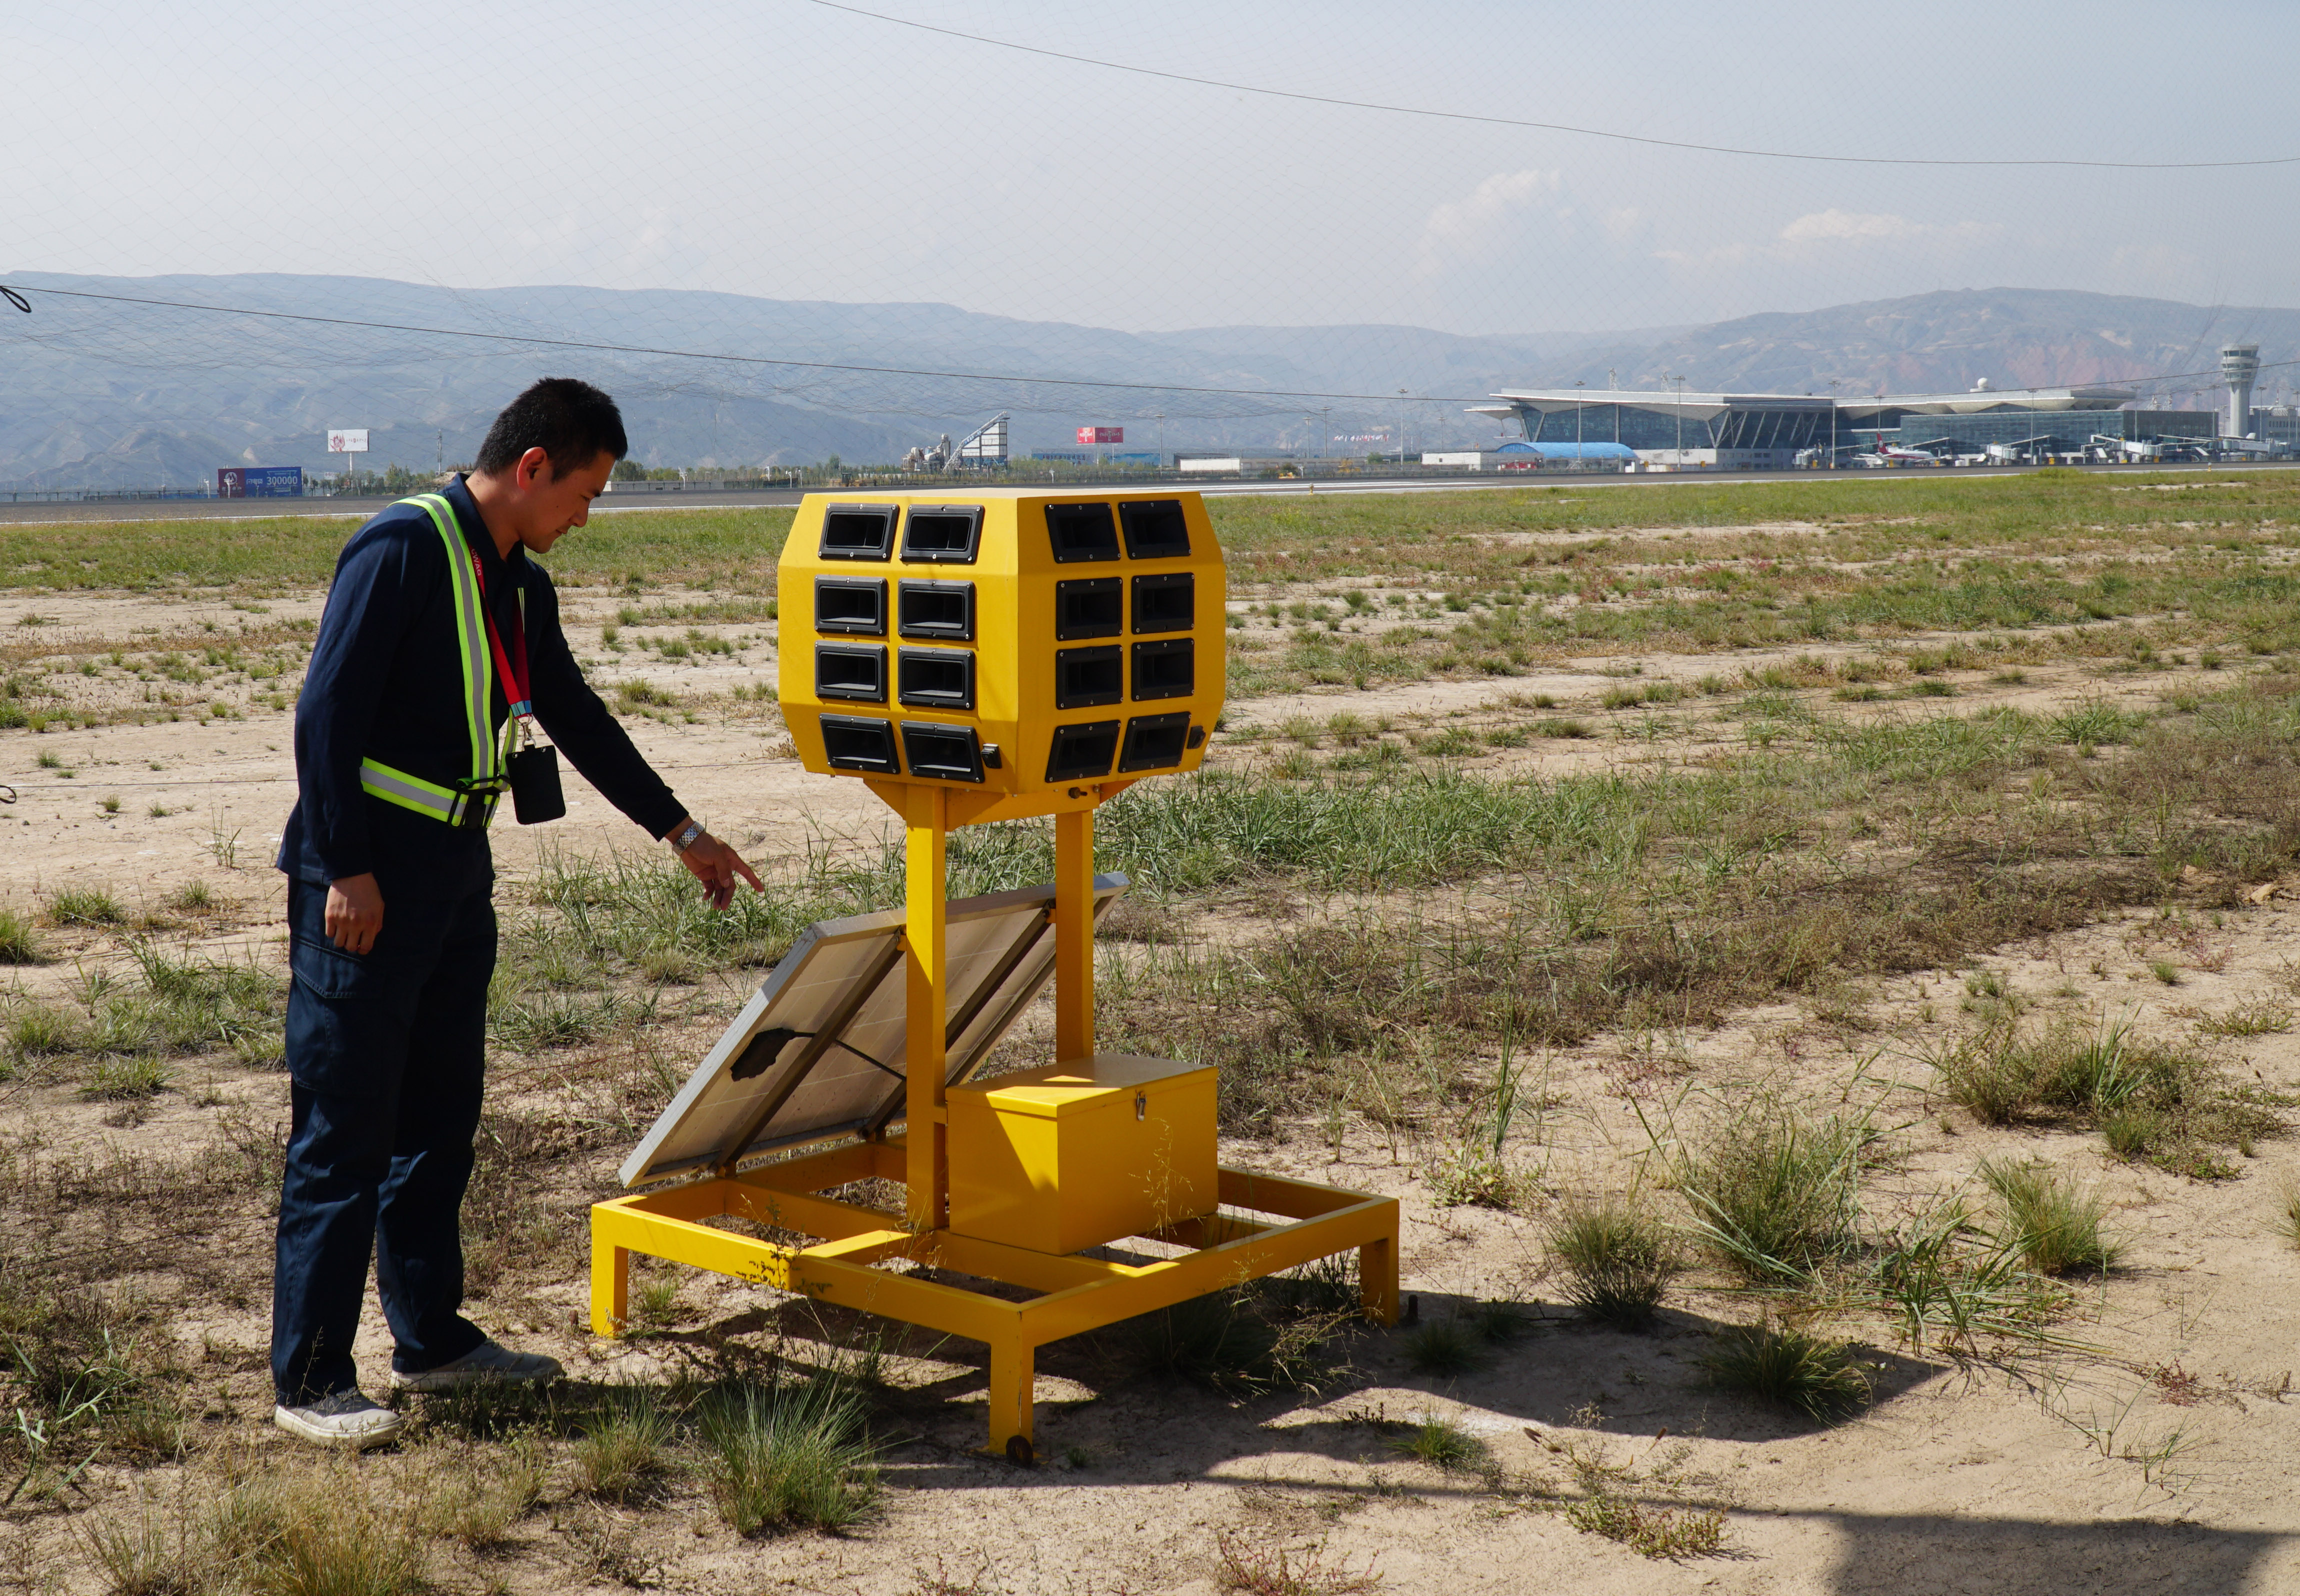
(514, 679)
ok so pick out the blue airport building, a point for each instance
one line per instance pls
(1674, 430)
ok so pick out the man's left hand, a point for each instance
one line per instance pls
(717, 866)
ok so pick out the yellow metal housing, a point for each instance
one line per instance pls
(1030, 650)
(1070, 1156)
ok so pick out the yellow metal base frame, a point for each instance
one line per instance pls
(1075, 1293)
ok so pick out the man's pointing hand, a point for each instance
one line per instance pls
(717, 866)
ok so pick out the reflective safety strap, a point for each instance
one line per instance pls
(380, 780)
(455, 805)
(472, 632)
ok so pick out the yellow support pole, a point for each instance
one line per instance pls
(611, 1286)
(1074, 935)
(1013, 1393)
(1378, 1279)
(925, 966)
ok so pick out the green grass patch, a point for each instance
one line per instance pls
(2055, 1222)
(1441, 1442)
(1790, 1367)
(622, 1453)
(85, 906)
(1616, 1259)
(1647, 1528)
(20, 943)
(792, 1454)
(1447, 1348)
(1246, 1340)
(1773, 1187)
(734, 548)
(2171, 1105)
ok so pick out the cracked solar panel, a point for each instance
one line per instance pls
(817, 1054)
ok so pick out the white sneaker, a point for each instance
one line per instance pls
(486, 1362)
(347, 1418)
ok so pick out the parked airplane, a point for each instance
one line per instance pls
(1897, 455)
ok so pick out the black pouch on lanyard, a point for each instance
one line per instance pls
(535, 794)
(532, 773)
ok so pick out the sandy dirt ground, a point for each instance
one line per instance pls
(2027, 1476)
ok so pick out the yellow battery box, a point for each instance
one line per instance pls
(1070, 1156)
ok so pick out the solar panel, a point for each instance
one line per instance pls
(818, 1052)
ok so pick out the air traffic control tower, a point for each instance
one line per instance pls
(2240, 369)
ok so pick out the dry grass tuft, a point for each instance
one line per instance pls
(1650, 1531)
(1788, 1367)
(1772, 1187)
(1447, 1348)
(1439, 1442)
(622, 1452)
(1250, 1570)
(1617, 1258)
(2173, 1106)
(2054, 1221)
(20, 943)
(322, 1532)
(789, 1455)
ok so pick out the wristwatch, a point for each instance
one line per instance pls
(684, 837)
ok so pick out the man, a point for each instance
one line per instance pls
(439, 626)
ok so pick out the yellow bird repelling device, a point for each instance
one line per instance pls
(1029, 653)
(980, 655)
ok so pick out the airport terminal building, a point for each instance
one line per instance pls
(1673, 429)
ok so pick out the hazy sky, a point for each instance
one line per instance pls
(785, 149)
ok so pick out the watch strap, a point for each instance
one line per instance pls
(684, 838)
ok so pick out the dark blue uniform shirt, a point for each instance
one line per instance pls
(385, 683)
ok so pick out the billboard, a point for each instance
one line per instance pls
(260, 482)
(1102, 434)
(347, 440)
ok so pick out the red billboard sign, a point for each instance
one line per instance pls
(1102, 434)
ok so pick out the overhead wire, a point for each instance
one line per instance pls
(991, 377)
(1511, 121)
(700, 355)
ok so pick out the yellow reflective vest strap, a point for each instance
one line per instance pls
(453, 803)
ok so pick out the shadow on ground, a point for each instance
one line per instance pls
(1107, 1422)
(1891, 1554)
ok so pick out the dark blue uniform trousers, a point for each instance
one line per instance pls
(386, 1054)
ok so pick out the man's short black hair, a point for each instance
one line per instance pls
(566, 418)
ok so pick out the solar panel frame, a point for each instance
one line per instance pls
(839, 994)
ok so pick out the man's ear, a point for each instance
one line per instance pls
(533, 469)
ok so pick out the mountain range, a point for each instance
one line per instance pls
(107, 393)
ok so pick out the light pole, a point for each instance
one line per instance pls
(1679, 408)
(1579, 411)
(1400, 429)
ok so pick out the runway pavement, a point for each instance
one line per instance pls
(177, 509)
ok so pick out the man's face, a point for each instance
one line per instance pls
(548, 507)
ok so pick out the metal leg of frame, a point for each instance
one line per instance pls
(611, 1288)
(1378, 1280)
(1013, 1386)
